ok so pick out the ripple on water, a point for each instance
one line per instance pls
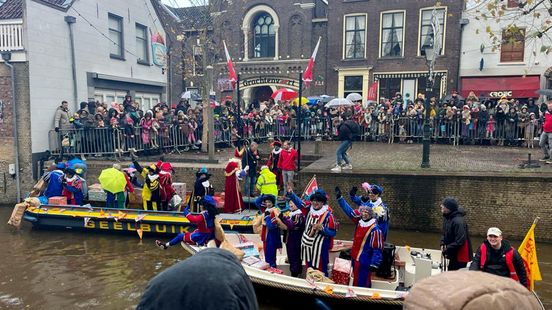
(10, 301)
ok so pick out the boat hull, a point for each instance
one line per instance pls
(123, 221)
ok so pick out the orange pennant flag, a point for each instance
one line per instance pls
(140, 232)
(328, 289)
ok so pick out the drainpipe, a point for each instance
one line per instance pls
(71, 20)
(6, 56)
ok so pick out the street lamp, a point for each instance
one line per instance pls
(430, 61)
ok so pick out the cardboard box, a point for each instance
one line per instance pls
(96, 195)
(57, 200)
(136, 197)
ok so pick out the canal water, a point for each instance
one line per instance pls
(72, 270)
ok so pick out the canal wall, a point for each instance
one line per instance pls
(509, 202)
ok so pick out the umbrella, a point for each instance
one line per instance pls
(354, 97)
(326, 98)
(191, 95)
(303, 101)
(112, 180)
(545, 92)
(284, 94)
(339, 102)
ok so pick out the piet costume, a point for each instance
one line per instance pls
(295, 222)
(380, 209)
(316, 245)
(366, 253)
(270, 233)
(202, 187)
(233, 201)
(273, 159)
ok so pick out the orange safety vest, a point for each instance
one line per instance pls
(509, 261)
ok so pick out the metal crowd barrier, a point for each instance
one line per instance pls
(117, 141)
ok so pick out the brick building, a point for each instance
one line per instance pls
(362, 41)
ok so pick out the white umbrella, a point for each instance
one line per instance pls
(339, 102)
(354, 97)
(191, 95)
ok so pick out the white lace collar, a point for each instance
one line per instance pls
(376, 203)
(296, 212)
(320, 211)
(277, 152)
(368, 223)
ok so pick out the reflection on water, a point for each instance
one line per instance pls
(56, 270)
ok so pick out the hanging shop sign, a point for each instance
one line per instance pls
(159, 50)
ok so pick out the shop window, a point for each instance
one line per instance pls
(392, 29)
(422, 84)
(388, 87)
(353, 84)
(355, 36)
(513, 45)
(116, 48)
(264, 36)
(427, 37)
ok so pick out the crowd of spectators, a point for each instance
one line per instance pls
(399, 119)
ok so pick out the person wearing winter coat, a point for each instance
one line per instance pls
(495, 255)
(455, 243)
(347, 130)
(61, 118)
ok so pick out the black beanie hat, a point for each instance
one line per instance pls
(450, 203)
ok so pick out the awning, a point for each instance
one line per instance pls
(498, 86)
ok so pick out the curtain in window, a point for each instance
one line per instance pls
(426, 31)
(355, 28)
(392, 33)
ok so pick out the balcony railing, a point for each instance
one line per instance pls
(11, 35)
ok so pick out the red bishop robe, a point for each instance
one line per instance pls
(233, 201)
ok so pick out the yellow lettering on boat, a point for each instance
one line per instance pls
(117, 226)
(130, 227)
(172, 229)
(145, 227)
(182, 229)
(104, 225)
(90, 224)
(161, 228)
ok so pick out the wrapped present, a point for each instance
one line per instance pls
(57, 200)
(275, 270)
(261, 265)
(180, 189)
(96, 195)
(248, 248)
(17, 214)
(341, 271)
(135, 198)
(250, 260)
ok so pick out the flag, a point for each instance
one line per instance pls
(528, 252)
(307, 76)
(311, 187)
(231, 71)
(373, 92)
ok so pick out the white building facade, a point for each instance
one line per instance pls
(513, 64)
(114, 55)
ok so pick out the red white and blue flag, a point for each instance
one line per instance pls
(311, 187)
(307, 75)
(231, 71)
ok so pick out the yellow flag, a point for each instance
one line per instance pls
(140, 232)
(528, 252)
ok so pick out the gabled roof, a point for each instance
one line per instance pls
(11, 9)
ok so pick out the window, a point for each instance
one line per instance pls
(142, 44)
(353, 84)
(264, 36)
(389, 87)
(513, 45)
(426, 29)
(355, 29)
(392, 27)
(116, 36)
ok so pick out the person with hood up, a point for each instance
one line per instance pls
(368, 241)
(320, 228)
(204, 221)
(455, 243)
(212, 279)
(495, 255)
(266, 182)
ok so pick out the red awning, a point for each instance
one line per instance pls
(498, 86)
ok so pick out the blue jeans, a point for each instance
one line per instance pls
(250, 182)
(341, 152)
